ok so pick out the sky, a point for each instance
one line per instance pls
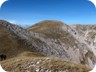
(28, 12)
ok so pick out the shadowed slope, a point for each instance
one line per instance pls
(53, 38)
(12, 46)
(62, 38)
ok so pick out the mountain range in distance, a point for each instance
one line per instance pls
(48, 46)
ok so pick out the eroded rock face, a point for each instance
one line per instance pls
(10, 44)
(55, 39)
(86, 34)
(68, 40)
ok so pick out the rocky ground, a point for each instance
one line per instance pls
(48, 46)
(42, 64)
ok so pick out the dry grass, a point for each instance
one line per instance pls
(52, 29)
(11, 45)
(21, 58)
(46, 25)
(31, 54)
(31, 64)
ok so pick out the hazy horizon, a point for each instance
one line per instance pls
(28, 12)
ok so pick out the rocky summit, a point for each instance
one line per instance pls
(48, 46)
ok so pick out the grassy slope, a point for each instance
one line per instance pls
(11, 45)
(41, 64)
(23, 59)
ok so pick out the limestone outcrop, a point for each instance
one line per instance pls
(54, 38)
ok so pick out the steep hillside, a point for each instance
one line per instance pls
(44, 39)
(11, 45)
(63, 42)
(86, 35)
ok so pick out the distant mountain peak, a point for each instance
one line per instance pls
(55, 38)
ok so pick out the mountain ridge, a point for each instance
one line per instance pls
(55, 38)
